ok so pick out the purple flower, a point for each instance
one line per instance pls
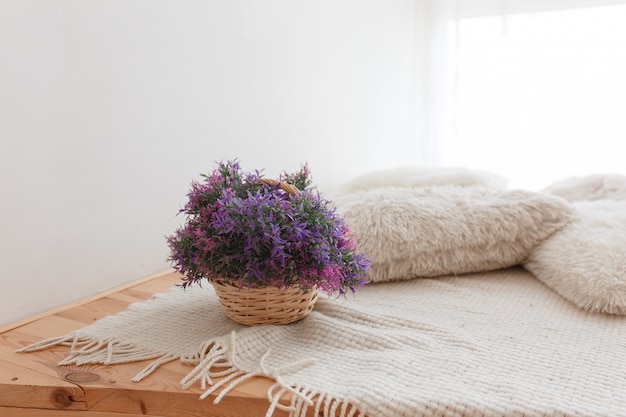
(259, 235)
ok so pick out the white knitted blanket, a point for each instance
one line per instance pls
(491, 344)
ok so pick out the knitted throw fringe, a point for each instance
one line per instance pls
(214, 362)
(215, 358)
(479, 345)
(94, 350)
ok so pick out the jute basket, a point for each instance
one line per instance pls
(269, 305)
(256, 306)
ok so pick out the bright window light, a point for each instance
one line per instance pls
(539, 97)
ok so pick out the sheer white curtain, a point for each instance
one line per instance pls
(534, 90)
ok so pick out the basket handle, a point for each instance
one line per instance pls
(290, 189)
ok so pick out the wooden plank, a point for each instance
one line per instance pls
(88, 313)
(36, 331)
(161, 284)
(33, 412)
(33, 382)
(23, 387)
(174, 404)
(169, 275)
(128, 297)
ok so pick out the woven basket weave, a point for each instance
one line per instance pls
(268, 305)
(256, 306)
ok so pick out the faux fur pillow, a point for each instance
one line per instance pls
(431, 231)
(593, 187)
(586, 261)
(416, 176)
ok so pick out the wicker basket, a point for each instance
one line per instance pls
(255, 306)
(291, 189)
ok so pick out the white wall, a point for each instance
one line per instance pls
(108, 109)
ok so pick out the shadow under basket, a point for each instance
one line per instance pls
(256, 306)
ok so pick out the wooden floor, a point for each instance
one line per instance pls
(32, 384)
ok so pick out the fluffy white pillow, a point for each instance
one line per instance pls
(586, 261)
(417, 176)
(593, 187)
(441, 230)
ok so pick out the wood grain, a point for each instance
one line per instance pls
(31, 412)
(32, 384)
(150, 280)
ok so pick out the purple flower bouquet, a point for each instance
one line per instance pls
(252, 233)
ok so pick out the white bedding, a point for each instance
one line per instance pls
(504, 344)
(497, 344)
